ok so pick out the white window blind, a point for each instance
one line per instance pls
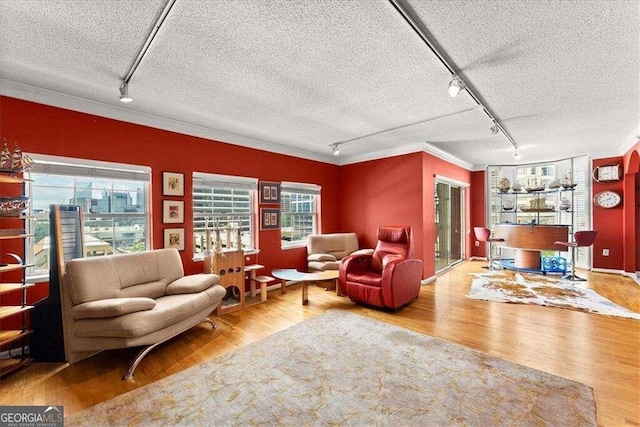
(225, 202)
(298, 210)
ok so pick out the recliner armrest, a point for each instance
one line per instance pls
(362, 252)
(111, 307)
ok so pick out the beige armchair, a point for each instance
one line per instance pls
(325, 251)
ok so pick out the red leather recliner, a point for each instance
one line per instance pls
(389, 278)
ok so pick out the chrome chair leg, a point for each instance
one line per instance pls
(572, 277)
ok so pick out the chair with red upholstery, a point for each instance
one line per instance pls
(388, 278)
(580, 239)
(484, 235)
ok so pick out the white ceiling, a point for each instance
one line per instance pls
(561, 77)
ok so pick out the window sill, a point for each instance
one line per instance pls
(200, 258)
(294, 246)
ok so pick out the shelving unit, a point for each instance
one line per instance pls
(17, 271)
(523, 207)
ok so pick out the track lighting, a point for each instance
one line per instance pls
(455, 86)
(124, 93)
(336, 149)
(516, 155)
(494, 129)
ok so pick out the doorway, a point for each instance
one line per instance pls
(449, 222)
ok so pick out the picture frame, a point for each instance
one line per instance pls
(172, 211)
(269, 219)
(172, 184)
(269, 192)
(174, 238)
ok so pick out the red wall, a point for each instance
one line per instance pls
(49, 130)
(383, 192)
(397, 191)
(608, 223)
(478, 210)
(432, 166)
(631, 207)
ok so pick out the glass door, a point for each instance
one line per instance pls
(449, 214)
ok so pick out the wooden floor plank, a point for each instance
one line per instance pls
(601, 351)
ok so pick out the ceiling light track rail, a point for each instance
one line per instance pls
(416, 28)
(149, 40)
(124, 87)
(335, 146)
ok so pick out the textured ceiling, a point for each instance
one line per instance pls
(561, 77)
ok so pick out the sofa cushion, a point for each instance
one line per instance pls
(192, 284)
(168, 311)
(324, 265)
(365, 278)
(112, 307)
(337, 244)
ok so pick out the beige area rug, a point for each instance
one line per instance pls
(344, 369)
(520, 288)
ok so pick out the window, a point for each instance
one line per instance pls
(114, 199)
(226, 203)
(298, 211)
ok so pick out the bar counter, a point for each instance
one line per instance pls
(528, 240)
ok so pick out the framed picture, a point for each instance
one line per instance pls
(269, 219)
(172, 184)
(269, 192)
(172, 211)
(174, 238)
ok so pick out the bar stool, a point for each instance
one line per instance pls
(484, 235)
(580, 239)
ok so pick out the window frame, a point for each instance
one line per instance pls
(306, 189)
(210, 180)
(88, 169)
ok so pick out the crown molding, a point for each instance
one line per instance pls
(52, 98)
(441, 154)
(56, 99)
(382, 154)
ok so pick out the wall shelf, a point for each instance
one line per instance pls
(16, 335)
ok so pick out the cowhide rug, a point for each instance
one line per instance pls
(507, 286)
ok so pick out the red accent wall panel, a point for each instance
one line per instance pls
(608, 223)
(398, 190)
(383, 192)
(631, 202)
(478, 210)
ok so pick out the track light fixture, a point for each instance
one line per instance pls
(455, 86)
(516, 155)
(124, 93)
(495, 129)
(336, 149)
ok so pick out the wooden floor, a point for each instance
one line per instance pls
(601, 351)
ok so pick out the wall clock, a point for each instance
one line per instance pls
(607, 199)
(606, 173)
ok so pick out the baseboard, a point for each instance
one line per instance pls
(608, 271)
(428, 280)
(478, 258)
(635, 276)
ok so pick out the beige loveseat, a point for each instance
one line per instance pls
(325, 251)
(137, 299)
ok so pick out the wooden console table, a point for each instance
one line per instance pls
(529, 240)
